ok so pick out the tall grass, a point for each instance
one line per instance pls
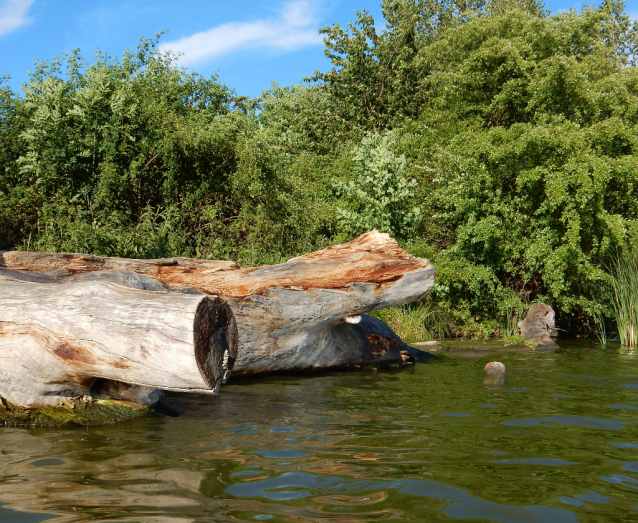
(509, 320)
(625, 298)
(601, 329)
(417, 321)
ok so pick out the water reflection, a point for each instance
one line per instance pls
(577, 421)
(427, 444)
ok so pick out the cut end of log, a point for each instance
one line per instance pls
(215, 337)
(57, 337)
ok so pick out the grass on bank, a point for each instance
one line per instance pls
(625, 298)
(601, 328)
(428, 320)
(417, 321)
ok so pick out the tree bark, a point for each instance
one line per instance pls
(306, 313)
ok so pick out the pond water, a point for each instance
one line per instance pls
(557, 444)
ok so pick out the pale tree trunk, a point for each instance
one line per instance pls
(304, 314)
(57, 338)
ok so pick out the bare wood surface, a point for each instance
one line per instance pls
(57, 337)
(371, 258)
(290, 316)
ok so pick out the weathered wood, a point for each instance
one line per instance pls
(291, 316)
(538, 325)
(58, 336)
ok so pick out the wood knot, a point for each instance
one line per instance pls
(74, 354)
(380, 345)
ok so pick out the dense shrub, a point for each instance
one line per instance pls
(493, 137)
(138, 158)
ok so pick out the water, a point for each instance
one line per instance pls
(557, 444)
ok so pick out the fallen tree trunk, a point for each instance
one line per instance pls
(58, 336)
(302, 314)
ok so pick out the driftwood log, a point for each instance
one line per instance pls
(56, 339)
(306, 313)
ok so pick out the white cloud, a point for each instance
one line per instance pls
(292, 29)
(13, 14)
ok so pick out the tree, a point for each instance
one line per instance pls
(12, 210)
(380, 197)
(376, 77)
(535, 180)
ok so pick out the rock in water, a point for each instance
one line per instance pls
(538, 324)
(494, 373)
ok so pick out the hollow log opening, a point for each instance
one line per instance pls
(215, 338)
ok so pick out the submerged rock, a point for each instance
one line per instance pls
(431, 343)
(494, 373)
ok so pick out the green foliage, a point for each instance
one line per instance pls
(540, 188)
(524, 148)
(379, 197)
(419, 321)
(12, 211)
(376, 79)
(516, 67)
(373, 80)
(303, 118)
(113, 144)
(496, 139)
(135, 157)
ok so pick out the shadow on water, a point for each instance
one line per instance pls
(557, 443)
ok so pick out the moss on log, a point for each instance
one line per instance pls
(83, 412)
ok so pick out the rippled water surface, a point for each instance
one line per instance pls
(558, 443)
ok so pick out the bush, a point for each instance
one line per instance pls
(380, 197)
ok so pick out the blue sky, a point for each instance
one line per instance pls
(250, 43)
